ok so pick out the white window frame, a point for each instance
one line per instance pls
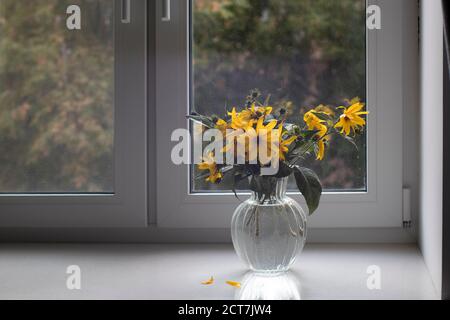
(379, 207)
(127, 207)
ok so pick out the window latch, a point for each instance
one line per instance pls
(407, 220)
(166, 10)
(126, 11)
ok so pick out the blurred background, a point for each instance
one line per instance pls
(56, 97)
(301, 52)
(56, 85)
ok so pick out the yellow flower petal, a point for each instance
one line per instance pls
(321, 152)
(234, 284)
(260, 123)
(355, 107)
(289, 141)
(272, 124)
(203, 166)
(208, 282)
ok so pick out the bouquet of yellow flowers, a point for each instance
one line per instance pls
(264, 139)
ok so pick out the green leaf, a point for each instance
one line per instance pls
(207, 122)
(233, 187)
(256, 187)
(322, 116)
(238, 177)
(352, 141)
(309, 185)
(349, 139)
(284, 170)
(309, 134)
(266, 102)
(202, 176)
(300, 150)
(264, 186)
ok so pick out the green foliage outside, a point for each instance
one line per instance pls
(56, 97)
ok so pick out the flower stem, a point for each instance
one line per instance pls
(257, 222)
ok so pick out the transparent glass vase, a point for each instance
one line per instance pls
(268, 234)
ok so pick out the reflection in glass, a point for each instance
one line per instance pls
(56, 97)
(254, 286)
(302, 52)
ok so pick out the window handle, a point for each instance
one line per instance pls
(126, 11)
(165, 10)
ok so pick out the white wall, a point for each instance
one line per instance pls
(430, 230)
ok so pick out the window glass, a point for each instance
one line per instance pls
(56, 96)
(301, 52)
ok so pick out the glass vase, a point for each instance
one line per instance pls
(269, 233)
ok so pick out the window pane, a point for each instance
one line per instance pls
(56, 97)
(302, 52)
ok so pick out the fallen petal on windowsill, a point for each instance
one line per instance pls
(208, 282)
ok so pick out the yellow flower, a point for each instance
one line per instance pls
(247, 118)
(241, 120)
(266, 110)
(253, 138)
(321, 151)
(269, 127)
(324, 110)
(314, 123)
(264, 134)
(260, 111)
(222, 125)
(351, 119)
(312, 120)
(284, 146)
(209, 163)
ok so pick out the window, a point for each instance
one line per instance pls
(72, 113)
(211, 53)
(296, 51)
(85, 111)
(57, 98)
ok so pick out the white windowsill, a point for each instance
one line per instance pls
(175, 271)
